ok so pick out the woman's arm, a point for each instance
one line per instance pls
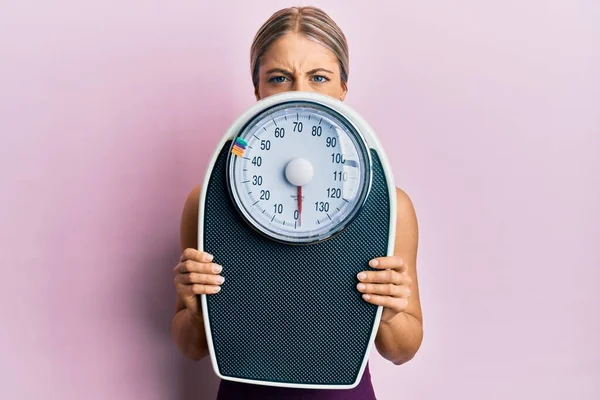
(399, 338)
(187, 327)
(188, 332)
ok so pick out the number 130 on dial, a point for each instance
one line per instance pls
(299, 172)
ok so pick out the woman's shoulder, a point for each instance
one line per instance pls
(194, 194)
(406, 218)
(403, 201)
(189, 218)
(191, 201)
(406, 215)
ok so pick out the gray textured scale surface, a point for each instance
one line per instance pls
(291, 314)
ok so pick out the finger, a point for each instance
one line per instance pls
(197, 289)
(387, 276)
(205, 289)
(393, 303)
(384, 289)
(193, 266)
(196, 255)
(391, 262)
(194, 278)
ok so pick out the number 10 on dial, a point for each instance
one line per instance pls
(299, 172)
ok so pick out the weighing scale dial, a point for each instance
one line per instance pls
(299, 172)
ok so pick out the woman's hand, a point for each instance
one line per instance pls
(389, 286)
(196, 274)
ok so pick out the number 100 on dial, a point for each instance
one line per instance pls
(299, 172)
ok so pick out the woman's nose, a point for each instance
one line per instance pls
(302, 85)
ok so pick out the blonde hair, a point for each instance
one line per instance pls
(311, 22)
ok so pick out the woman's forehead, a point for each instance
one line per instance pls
(296, 52)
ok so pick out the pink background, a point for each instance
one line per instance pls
(109, 110)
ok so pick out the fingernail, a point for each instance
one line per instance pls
(217, 268)
(220, 279)
(361, 286)
(208, 257)
(366, 296)
(362, 276)
(217, 289)
(373, 263)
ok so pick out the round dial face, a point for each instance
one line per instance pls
(299, 172)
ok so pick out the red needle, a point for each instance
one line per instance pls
(300, 205)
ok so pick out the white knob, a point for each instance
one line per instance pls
(299, 172)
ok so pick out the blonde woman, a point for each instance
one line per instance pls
(303, 49)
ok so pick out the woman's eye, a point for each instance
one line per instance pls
(277, 79)
(320, 78)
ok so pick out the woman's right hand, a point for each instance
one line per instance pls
(196, 274)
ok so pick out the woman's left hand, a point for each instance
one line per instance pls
(389, 286)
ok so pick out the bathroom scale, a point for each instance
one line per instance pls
(296, 199)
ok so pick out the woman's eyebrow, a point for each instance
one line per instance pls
(288, 73)
(313, 71)
(280, 70)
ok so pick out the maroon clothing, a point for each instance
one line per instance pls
(229, 390)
